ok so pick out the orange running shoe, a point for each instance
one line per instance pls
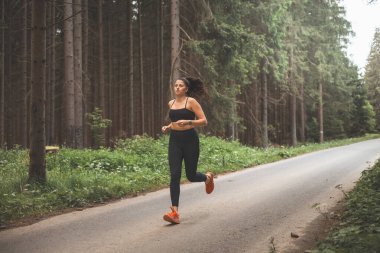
(172, 217)
(210, 184)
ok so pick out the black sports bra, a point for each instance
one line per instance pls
(183, 113)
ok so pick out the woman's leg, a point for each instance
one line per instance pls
(175, 163)
(191, 156)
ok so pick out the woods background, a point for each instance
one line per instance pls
(276, 70)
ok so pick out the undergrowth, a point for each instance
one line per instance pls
(359, 231)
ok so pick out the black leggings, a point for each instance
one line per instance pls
(183, 145)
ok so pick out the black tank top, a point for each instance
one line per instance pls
(183, 113)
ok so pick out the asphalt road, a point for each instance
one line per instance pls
(246, 209)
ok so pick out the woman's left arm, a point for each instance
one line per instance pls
(197, 109)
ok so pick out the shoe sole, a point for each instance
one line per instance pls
(210, 186)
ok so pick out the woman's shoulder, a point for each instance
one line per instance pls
(193, 100)
(171, 102)
(193, 103)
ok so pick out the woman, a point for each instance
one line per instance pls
(185, 114)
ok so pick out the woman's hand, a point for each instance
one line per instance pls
(166, 129)
(183, 123)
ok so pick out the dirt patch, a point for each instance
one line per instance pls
(26, 221)
(29, 220)
(317, 230)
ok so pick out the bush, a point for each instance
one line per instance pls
(360, 228)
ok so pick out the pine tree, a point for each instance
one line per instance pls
(37, 167)
(372, 76)
(363, 115)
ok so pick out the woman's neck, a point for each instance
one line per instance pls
(180, 98)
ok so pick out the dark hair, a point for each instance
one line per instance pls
(196, 88)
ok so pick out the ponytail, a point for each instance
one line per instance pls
(196, 88)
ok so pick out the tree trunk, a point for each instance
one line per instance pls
(2, 76)
(119, 85)
(23, 101)
(256, 128)
(110, 83)
(86, 81)
(232, 123)
(69, 90)
(293, 113)
(49, 95)
(175, 46)
(78, 87)
(120, 94)
(9, 99)
(302, 114)
(320, 88)
(160, 61)
(37, 170)
(109, 96)
(52, 119)
(50, 75)
(265, 141)
(101, 61)
(101, 57)
(293, 99)
(130, 64)
(142, 100)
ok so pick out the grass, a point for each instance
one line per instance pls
(359, 230)
(82, 178)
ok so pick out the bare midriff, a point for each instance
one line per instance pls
(176, 127)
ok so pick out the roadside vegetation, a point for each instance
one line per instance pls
(84, 178)
(359, 230)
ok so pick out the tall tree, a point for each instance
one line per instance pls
(51, 132)
(110, 110)
(48, 108)
(160, 60)
(363, 115)
(68, 87)
(271, 21)
(141, 65)
(264, 117)
(372, 76)
(131, 111)
(86, 74)
(175, 41)
(78, 87)
(101, 63)
(328, 67)
(37, 168)
(23, 98)
(320, 111)
(296, 54)
(2, 76)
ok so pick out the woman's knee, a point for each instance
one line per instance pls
(192, 177)
(175, 178)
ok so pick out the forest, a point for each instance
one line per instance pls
(85, 73)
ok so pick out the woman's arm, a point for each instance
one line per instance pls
(166, 129)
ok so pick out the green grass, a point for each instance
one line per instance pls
(80, 178)
(359, 231)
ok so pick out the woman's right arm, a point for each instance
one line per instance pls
(166, 129)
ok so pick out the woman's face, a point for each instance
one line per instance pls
(180, 88)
